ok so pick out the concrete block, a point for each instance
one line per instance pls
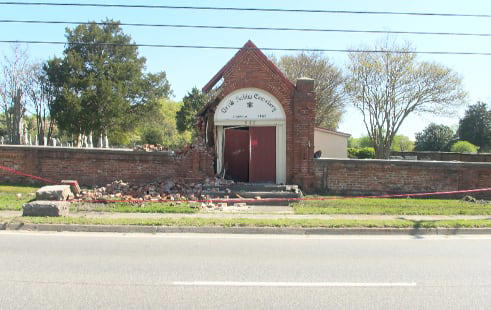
(54, 192)
(45, 208)
(74, 187)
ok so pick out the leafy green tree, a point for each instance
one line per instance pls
(434, 138)
(365, 141)
(99, 84)
(158, 126)
(361, 153)
(464, 147)
(328, 84)
(186, 116)
(402, 143)
(361, 142)
(388, 85)
(153, 135)
(475, 127)
(366, 152)
(353, 142)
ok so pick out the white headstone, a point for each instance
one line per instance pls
(45, 141)
(84, 141)
(106, 142)
(89, 142)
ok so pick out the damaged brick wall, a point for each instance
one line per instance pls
(375, 177)
(102, 166)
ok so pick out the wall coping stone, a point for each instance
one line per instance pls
(86, 150)
(403, 162)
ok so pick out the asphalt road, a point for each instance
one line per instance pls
(138, 271)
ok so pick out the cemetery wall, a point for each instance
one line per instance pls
(333, 176)
(102, 166)
(446, 156)
(376, 177)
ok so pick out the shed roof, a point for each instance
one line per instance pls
(334, 132)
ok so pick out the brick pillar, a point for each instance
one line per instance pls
(304, 108)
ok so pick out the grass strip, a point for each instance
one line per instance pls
(396, 206)
(246, 222)
(12, 197)
(126, 207)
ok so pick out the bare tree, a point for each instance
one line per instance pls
(328, 84)
(14, 81)
(388, 86)
(40, 94)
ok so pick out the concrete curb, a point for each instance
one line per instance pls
(243, 230)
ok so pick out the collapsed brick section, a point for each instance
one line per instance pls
(101, 166)
(375, 177)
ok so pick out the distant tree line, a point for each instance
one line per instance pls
(472, 135)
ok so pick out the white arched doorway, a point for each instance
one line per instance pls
(262, 115)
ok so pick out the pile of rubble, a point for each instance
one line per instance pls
(151, 148)
(165, 190)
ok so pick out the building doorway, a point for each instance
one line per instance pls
(250, 154)
(250, 135)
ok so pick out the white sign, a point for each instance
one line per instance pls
(249, 104)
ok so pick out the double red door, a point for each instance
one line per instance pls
(250, 154)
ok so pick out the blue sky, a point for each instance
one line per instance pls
(186, 68)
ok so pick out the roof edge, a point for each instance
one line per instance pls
(248, 45)
(339, 133)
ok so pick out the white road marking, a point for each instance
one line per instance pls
(294, 284)
(219, 283)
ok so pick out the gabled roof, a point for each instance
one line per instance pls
(248, 46)
(339, 133)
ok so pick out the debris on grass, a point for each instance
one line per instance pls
(171, 190)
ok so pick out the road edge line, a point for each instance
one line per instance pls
(241, 230)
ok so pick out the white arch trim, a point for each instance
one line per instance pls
(252, 107)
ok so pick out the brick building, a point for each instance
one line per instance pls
(259, 123)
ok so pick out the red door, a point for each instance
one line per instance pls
(236, 154)
(262, 166)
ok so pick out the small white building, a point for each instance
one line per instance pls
(332, 144)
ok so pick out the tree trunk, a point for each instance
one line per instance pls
(17, 118)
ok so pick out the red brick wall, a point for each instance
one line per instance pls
(447, 156)
(335, 176)
(100, 166)
(374, 177)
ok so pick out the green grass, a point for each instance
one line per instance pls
(9, 199)
(392, 206)
(126, 207)
(245, 222)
